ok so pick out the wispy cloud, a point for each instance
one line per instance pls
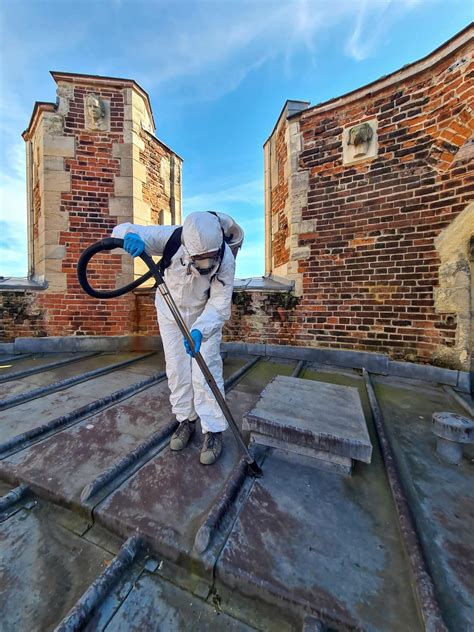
(215, 200)
(215, 46)
(373, 22)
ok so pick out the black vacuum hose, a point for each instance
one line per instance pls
(110, 243)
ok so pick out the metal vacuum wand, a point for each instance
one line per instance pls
(111, 243)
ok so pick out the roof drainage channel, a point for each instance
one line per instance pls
(25, 439)
(424, 585)
(45, 367)
(373, 362)
(235, 377)
(119, 471)
(71, 381)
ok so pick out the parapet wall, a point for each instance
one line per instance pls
(363, 194)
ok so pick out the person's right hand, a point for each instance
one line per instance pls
(133, 244)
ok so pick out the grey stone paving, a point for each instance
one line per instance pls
(441, 495)
(314, 415)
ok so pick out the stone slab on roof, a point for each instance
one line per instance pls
(316, 415)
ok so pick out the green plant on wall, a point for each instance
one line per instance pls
(286, 300)
(278, 304)
(243, 302)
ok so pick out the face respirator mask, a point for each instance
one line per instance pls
(202, 266)
(205, 266)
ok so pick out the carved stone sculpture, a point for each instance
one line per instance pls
(359, 142)
(360, 136)
(96, 113)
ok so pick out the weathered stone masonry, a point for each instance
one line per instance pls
(84, 177)
(379, 247)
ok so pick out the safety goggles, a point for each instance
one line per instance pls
(205, 263)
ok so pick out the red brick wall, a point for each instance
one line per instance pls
(368, 282)
(263, 317)
(147, 323)
(92, 183)
(257, 317)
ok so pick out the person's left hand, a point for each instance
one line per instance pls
(196, 335)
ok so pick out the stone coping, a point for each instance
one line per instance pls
(251, 284)
(268, 283)
(20, 283)
(373, 362)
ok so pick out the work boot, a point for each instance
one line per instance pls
(183, 434)
(211, 448)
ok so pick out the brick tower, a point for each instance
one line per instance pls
(92, 162)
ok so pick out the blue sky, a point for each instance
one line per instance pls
(218, 74)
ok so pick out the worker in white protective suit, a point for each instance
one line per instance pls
(200, 277)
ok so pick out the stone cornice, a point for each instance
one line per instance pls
(39, 108)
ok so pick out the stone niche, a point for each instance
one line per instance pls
(359, 142)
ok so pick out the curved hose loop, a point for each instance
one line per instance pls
(110, 243)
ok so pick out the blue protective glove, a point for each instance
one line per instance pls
(133, 244)
(196, 335)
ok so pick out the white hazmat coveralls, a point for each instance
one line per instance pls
(205, 303)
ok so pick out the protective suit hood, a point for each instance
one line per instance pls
(201, 233)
